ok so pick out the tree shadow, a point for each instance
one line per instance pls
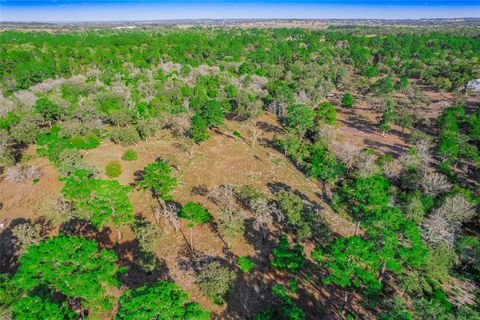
(267, 127)
(395, 149)
(259, 239)
(8, 259)
(252, 292)
(359, 124)
(195, 260)
(84, 228)
(131, 256)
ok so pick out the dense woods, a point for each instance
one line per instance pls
(412, 248)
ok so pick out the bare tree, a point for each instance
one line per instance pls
(436, 228)
(169, 212)
(21, 173)
(26, 235)
(59, 210)
(434, 183)
(264, 212)
(456, 209)
(325, 132)
(347, 153)
(444, 224)
(180, 124)
(393, 169)
(423, 152)
(230, 216)
(6, 105)
(224, 196)
(365, 164)
(255, 134)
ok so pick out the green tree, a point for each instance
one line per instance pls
(468, 249)
(387, 119)
(365, 197)
(163, 300)
(213, 113)
(324, 164)
(199, 128)
(351, 263)
(299, 118)
(195, 214)
(326, 113)
(71, 266)
(48, 110)
(156, 178)
(293, 208)
(41, 308)
(286, 257)
(102, 201)
(448, 145)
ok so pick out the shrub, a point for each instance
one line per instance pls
(130, 155)
(148, 234)
(113, 169)
(124, 136)
(245, 264)
(215, 281)
(383, 86)
(347, 100)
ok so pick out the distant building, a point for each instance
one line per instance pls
(473, 85)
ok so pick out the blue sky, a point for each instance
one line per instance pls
(114, 10)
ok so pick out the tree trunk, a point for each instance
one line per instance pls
(191, 239)
(382, 273)
(346, 298)
(357, 224)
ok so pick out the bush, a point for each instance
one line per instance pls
(382, 86)
(130, 155)
(215, 281)
(113, 169)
